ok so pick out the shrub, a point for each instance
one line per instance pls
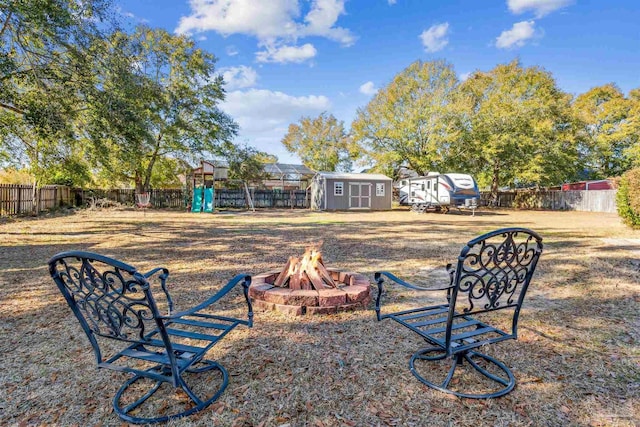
(628, 198)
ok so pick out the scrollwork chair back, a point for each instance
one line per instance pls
(493, 273)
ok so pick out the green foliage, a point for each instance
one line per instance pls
(320, 142)
(411, 120)
(245, 163)
(628, 198)
(15, 176)
(156, 95)
(610, 131)
(518, 128)
(44, 76)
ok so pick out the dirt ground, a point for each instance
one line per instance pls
(577, 359)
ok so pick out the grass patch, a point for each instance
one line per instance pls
(577, 361)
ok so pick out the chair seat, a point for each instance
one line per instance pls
(208, 329)
(467, 333)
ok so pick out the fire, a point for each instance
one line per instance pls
(307, 272)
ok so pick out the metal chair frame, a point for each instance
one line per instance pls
(496, 274)
(118, 303)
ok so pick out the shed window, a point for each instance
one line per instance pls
(380, 189)
(338, 188)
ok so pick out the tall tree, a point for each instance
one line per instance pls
(320, 142)
(44, 75)
(610, 130)
(156, 95)
(410, 121)
(518, 128)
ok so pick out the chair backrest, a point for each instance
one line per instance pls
(493, 273)
(109, 298)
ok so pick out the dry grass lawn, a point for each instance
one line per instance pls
(577, 360)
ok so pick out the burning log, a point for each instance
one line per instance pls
(306, 273)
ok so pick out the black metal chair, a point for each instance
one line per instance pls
(493, 273)
(113, 300)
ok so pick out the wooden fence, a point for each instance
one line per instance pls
(178, 198)
(159, 198)
(17, 199)
(577, 200)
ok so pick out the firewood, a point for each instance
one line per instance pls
(306, 273)
(284, 274)
(315, 278)
(294, 278)
(326, 276)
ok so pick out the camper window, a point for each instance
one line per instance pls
(428, 185)
(338, 188)
(422, 187)
(379, 189)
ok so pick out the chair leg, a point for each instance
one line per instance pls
(124, 412)
(456, 360)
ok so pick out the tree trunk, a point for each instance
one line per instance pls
(138, 183)
(495, 182)
(152, 161)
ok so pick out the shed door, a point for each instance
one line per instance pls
(359, 195)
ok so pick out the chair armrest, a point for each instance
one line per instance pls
(380, 275)
(246, 281)
(163, 283)
(380, 280)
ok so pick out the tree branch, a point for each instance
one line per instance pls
(12, 108)
(6, 24)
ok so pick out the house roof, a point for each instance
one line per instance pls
(287, 169)
(345, 175)
(218, 163)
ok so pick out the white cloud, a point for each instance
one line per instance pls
(368, 88)
(265, 115)
(465, 76)
(538, 7)
(232, 50)
(284, 54)
(517, 36)
(392, 2)
(269, 21)
(239, 77)
(257, 109)
(435, 38)
(321, 18)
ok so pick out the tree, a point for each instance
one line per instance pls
(410, 121)
(320, 142)
(518, 128)
(610, 130)
(44, 74)
(246, 163)
(156, 95)
(628, 198)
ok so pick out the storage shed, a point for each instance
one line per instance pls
(351, 191)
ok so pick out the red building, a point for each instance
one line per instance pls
(603, 184)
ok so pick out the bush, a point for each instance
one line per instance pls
(628, 198)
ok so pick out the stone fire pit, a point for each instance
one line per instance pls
(351, 293)
(306, 287)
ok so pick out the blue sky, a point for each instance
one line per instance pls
(283, 59)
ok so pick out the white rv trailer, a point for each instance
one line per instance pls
(439, 192)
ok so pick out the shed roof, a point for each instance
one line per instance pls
(345, 175)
